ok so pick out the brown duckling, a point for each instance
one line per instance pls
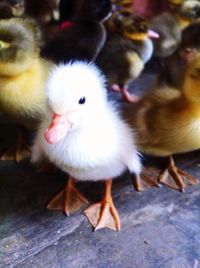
(169, 26)
(127, 48)
(175, 65)
(167, 122)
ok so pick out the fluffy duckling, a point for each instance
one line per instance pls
(85, 38)
(189, 12)
(127, 48)
(169, 30)
(12, 8)
(170, 25)
(175, 65)
(83, 135)
(167, 122)
(22, 74)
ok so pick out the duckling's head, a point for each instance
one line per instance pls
(75, 94)
(123, 5)
(190, 36)
(175, 5)
(45, 11)
(131, 26)
(19, 45)
(190, 43)
(11, 8)
(189, 12)
(17, 6)
(93, 11)
(191, 84)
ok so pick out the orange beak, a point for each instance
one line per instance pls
(58, 128)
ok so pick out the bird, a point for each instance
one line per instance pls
(128, 47)
(86, 36)
(174, 5)
(167, 122)
(174, 66)
(11, 8)
(83, 135)
(45, 12)
(170, 25)
(123, 5)
(189, 12)
(22, 77)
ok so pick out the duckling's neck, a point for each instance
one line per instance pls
(145, 49)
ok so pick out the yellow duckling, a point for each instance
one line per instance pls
(22, 76)
(167, 122)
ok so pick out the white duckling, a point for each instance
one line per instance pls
(84, 135)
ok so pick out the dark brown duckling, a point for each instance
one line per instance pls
(85, 38)
(127, 49)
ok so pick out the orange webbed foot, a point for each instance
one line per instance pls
(104, 214)
(69, 200)
(146, 180)
(176, 178)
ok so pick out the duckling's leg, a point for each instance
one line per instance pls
(143, 182)
(104, 214)
(176, 178)
(20, 150)
(70, 199)
(131, 98)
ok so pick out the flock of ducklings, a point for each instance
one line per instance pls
(56, 70)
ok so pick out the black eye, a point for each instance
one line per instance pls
(82, 100)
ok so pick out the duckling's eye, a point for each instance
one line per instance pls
(82, 100)
(142, 28)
